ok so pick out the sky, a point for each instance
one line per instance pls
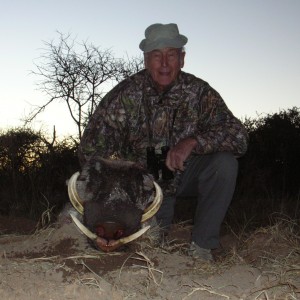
(249, 51)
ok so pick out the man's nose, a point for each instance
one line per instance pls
(164, 61)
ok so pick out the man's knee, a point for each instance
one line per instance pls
(206, 170)
(222, 165)
(226, 164)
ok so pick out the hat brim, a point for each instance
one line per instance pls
(178, 42)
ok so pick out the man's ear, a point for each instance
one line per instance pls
(182, 56)
(145, 60)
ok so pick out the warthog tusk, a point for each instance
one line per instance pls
(78, 203)
(73, 195)
(132, 237)
(83, 229)
(116, 244)
(154, 207)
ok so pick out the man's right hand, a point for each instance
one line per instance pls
(179, 153)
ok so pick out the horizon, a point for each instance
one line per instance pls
(247, 51)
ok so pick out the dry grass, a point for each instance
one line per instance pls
(274, 251)
(207, 289)
(153, 274)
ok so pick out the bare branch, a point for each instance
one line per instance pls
(75, 73)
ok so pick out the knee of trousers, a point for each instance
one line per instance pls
(224, 164)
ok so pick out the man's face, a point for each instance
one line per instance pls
(164, 65)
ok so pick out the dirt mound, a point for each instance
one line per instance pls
(59, 263)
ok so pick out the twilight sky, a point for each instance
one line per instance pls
(249, 51)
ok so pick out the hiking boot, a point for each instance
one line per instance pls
(200, 253)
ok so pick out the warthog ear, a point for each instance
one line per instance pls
(89, 178)
(148, 182)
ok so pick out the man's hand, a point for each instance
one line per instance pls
(179, 153)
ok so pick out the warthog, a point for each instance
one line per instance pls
(116, 198)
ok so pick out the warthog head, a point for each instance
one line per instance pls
(115, 198)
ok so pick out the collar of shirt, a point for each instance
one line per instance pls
(170, 97)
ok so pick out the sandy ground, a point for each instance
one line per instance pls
(58, 263)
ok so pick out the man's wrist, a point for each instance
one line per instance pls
(192, 141)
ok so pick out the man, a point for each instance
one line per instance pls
(163, 106)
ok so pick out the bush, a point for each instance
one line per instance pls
(269, 174)
(33, 172)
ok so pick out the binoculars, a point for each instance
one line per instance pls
(156, 163)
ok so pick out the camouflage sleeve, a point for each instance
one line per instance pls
(105, 132)
(218, 129)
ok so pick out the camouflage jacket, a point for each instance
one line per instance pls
(134, 115)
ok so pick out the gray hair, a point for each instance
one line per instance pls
(181, 50)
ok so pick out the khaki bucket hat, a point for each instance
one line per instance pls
(158, 36)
